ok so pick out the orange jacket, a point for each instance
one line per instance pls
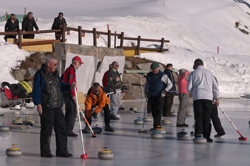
(92, 100)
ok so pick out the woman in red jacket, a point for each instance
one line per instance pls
(183, 98)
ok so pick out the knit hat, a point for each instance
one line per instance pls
(154, 65)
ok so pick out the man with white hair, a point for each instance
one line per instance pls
(47, 95)
(69, 77)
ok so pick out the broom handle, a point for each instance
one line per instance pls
(87, 122)
(78, 112)
(144, 113)
(230, 121)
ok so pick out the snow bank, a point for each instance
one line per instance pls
(11, 57)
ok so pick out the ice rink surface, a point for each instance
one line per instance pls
(131, 148)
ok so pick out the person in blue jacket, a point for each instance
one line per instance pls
(47, 95)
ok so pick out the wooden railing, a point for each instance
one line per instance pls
(95, 34)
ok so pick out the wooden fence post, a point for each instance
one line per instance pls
(94, 37)
(79, 35)
(162, 44)
(109, 38)
(63, 32)
(20, 32)
(121, 40)
(138, 45)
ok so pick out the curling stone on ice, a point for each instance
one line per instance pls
(133, 109)
(138, 121)
(17, 121)
(156, 135)
(199, 139)
(4, 128)
(29, 121)
(97, 130)
(189, 113)
(105, 154)
(160, 129)
(147, 119)
(166, 121)
(174, 113)
(13, 151)
(183, 134)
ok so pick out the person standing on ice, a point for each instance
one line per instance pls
(28, 24)
(202, 85)
(105, 79)
(58, 24)
(115, 84)
(12, 25)
(96, 98)
(47, 95)
(69, 77)
(156, 86)
(169, 98)
(183, 98)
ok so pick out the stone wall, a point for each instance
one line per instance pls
(61, 50)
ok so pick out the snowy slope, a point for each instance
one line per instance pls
(195, 29)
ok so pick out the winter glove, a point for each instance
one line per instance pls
(163, 93)
(94, 115)
(114, 91)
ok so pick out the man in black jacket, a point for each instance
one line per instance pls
(58, 24)
(28, 24)
(12, 25)
(169, 98)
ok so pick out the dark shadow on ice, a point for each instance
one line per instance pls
(242, 1)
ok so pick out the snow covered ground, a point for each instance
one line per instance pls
(195, 29)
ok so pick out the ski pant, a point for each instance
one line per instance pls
(115, 102)
(169, 99)
(149, 107)
(70, 112)
(156, 104)
(49, 119)
(216, 120)
(106, 115)
(202, 116)
(182, 112)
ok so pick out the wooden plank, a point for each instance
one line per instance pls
(138, 45)
(81, 98)
(79, 35)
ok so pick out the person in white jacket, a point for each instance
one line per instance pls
(202, 85)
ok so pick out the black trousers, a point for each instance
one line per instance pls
(106, 115)
(70, 112)
(169, 99)
(49, 119)
(156, 104)
(58, 35)
(216, 120)
(202, 116)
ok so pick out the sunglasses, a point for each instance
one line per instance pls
(117, 65)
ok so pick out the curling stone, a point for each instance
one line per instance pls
(122, 107)
(133, 109)
(29, 121)
(4, 128)
(192, 133)
(13, 151)
(166, 121)
(199, 139)
(147, 119)
(97, 130)
(161, 130)
(189, 113)
(183, 134)
(17, 121)
(105, 154)
(174, 113)
(156, 135)
(138, 121)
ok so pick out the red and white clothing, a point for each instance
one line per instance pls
(69, 76)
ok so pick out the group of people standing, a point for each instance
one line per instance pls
(201, 85)
(28, 25)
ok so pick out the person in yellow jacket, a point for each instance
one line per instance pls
(96, 98)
